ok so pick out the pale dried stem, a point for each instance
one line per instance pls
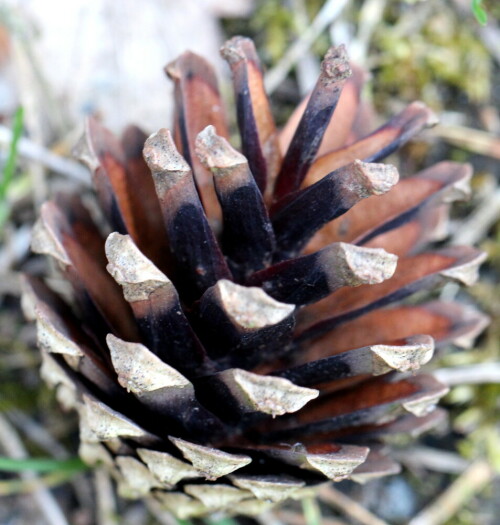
(30, 150)
(307, 68)
(478, 223)
(105, 498)
(37, 434)
(350, 507)
(162, 517)
(14, 448)
(490, 35)
(445, 506)
(330, 10)
(370, 15)
(30, 100)
(34, 80)
(294, 518)
(474, 140)
(469, 375)
(420, 457)
(15, 246)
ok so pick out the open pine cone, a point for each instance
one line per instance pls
(236, 338)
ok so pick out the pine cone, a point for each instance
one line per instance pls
(236, 338)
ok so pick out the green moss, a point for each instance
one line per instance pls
(444, 54)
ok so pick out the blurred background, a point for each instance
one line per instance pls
(61, 61)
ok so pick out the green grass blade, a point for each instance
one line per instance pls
(479, 12)
(41, 465)
(26, 486)
(223, 521)
(312, 512)
(10, 165)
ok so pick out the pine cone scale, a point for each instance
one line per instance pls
(378, 144)
(225, 348)
(259, 136)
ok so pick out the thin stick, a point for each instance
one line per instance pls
(15, 247)
(470, 139)
(370, 15)
(445, 506)
(46, 502)
(37, 82)
(434, 459)
(490, 35)
(162, 517)
(330, 10)
(31, 102)
(294, 518)
(18, 487)
(311, 510)
(29, 150)
(351, 508)
(105, 498)
(469, 375)
(476, 226)
(38, 434)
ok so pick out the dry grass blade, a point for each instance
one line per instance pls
(294, 518)
(477, 225)
(445, 506)
(106, 503)
(14, 448)
(29, 150)
(434, 459)
(470, 139)
(326, 16)
(350, 507)
(478, 374)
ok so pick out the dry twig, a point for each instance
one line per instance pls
(474, 140)
(421, 457)
(476, 226)
(49, 508)
(330, 10)
(470, 374)
(29, 150)
(445, 506)
(490, 35)
(350, 507)
(15, 246)
(105, 498)
(294, 518)
(38, 434)
(162, 517)
(370, 15)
